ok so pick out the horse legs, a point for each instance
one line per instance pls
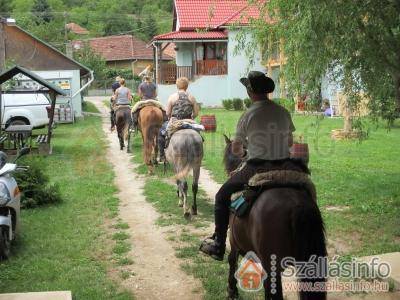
(233, 259)
(183, 188)
(121, 141)
(179, 193)
(195, 187)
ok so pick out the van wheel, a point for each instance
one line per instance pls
(19, 122)
(5, 243)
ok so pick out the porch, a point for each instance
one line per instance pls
(168, 73)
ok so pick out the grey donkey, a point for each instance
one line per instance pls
(185, 153)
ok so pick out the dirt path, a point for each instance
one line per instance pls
(157, 270)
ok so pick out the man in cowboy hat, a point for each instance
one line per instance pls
(265, 130)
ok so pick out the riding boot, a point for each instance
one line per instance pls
(214, 246)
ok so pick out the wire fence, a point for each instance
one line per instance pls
(103, 87)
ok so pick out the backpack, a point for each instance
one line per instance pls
(183, 108)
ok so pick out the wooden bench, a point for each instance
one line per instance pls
(42, 139)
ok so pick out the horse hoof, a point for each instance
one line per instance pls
(194, 211)
(233, 294)
(187, 215)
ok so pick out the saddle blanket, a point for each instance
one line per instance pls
(242, 200)
(142, 103)
(174, 125)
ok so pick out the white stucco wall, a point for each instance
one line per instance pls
(239, 66)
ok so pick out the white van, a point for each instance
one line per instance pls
(24, 109)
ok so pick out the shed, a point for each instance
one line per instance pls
(24, 49)
(46, 87)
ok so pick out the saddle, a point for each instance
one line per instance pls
(121, 106)
(292, 176)
(142, 103)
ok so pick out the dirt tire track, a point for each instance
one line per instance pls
(157, 270)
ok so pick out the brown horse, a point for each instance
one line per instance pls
(150, 121)
(123, 121)
(283, 222)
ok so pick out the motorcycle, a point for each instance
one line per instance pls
(10, 199)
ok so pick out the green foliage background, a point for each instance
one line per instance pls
(47, 18)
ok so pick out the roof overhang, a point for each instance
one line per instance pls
(10, 73)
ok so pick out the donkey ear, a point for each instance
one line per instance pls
(227, 140)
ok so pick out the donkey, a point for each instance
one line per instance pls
(123, 121)
(283, 222)
(185, 153)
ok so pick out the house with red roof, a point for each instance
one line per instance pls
(122, 51)
(205, 37)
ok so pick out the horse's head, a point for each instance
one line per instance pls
(231, 161)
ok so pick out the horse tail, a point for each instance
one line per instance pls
(309, 238)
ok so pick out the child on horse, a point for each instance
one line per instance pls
(265, 130)
(181, 105)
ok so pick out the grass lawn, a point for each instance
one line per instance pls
(88, 106)
(362, 176)
(69, 246)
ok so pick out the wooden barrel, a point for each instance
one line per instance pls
(209, 122)
(300, 151)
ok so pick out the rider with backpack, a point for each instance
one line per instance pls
(181, 105)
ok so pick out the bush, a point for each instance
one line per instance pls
(289, 104)
(227, 104)
(247, 102)
(35, 186)
(237, 104)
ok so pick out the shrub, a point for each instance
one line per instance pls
(289, 104)
(247, 102)
(35, 186)
(237, 104)
(227, 104)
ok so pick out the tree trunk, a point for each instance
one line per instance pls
(347, 116)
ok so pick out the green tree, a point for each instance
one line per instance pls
(357, 40)
(5, 8)
(42, 12)
(93, 61)
(150, 27)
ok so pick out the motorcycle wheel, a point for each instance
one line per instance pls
(5, 243)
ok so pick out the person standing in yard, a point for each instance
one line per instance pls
(181, 105)
(114, 87)
(266, 130)
(147, 89)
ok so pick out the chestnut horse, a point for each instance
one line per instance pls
(123, 121)
(284, 222)
(150, 121)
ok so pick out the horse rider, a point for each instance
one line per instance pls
(114, 87)
(123, 95)
(266, 130)
(181, 105)
(147, 90)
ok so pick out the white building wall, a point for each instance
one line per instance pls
(75, 79)
(239, 66)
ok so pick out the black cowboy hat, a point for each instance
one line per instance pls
(258, 82)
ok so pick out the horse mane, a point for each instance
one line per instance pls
(231, 161)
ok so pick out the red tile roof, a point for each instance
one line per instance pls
(75, 28)
(192, 35)
(120, 47)
(193, 14)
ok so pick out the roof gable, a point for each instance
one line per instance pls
(201, 14)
